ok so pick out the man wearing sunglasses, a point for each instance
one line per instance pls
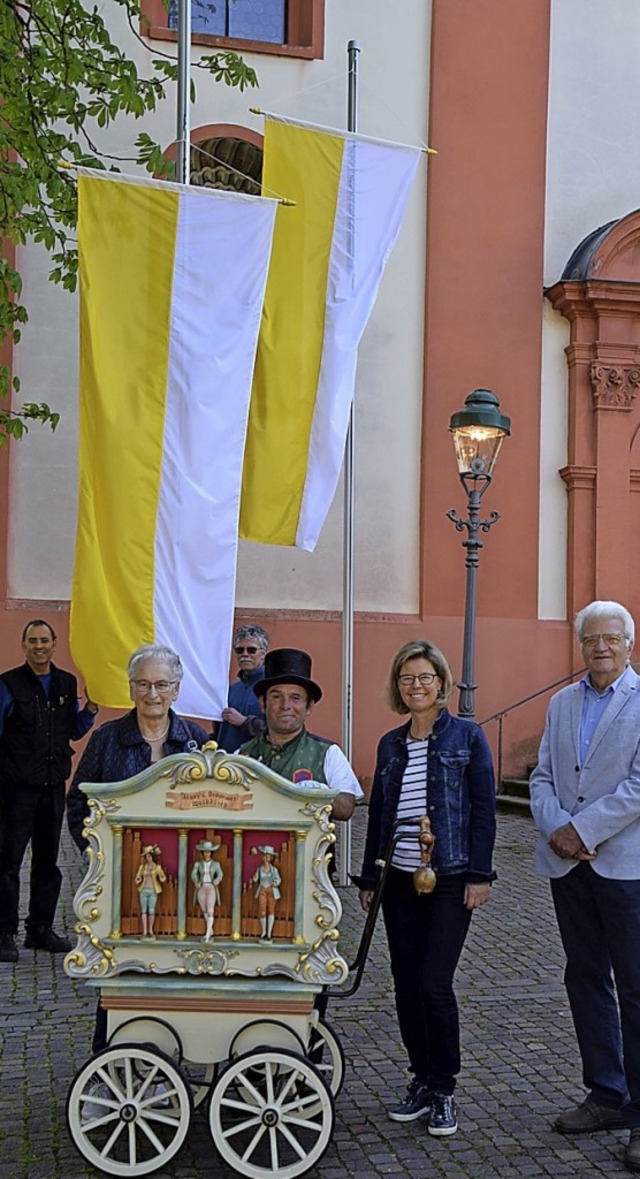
(585, 799)
(242, 719)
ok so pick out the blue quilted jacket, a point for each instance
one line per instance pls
(117, 750)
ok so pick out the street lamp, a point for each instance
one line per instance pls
(478, 431)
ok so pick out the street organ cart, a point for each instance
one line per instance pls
(208, 924)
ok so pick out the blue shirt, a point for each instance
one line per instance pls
(594, 706)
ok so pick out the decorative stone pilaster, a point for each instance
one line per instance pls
(599, 294)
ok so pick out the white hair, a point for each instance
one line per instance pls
(605, 610)
(155, 651)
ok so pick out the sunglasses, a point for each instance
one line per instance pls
(246, 650)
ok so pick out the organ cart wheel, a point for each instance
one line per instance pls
(261, 1033)
(128, 1110)
(157, 1033)
(325, 1051)
(259, 1114)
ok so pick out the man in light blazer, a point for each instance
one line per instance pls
(585, 799)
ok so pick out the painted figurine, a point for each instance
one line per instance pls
(149, 878)
(267, 880)
(206, 874)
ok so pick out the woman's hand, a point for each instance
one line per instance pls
(476, 895)
(366, 897)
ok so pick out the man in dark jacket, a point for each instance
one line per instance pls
(242, 719)
(39, 716)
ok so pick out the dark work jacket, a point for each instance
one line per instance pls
(35, 744)
(460, 799)
(116, 751)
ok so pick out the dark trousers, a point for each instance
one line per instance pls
(30, 813)
(599, 921)
(426, 935)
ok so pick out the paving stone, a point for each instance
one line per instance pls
(520, 1061)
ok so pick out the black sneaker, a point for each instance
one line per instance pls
(442, 1118)
(8, 948)
(43, 938)
(416, 1103)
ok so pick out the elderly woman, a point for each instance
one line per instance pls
(121, 748)
(439, 766)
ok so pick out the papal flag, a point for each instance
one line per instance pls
(329, 252)
(172, 284)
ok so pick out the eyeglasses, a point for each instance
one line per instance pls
(160, 686)
(424, 679)
(246, 650)
(609, 640)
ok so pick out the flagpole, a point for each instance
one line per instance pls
(353, 49)
(183, 132)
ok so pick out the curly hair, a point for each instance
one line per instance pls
(252, 631)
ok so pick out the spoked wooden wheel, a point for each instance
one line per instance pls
(148, 1030)
(325, 1051)
(265, 1033)
(157, 1033)
(259, 1114)
(129, 1109)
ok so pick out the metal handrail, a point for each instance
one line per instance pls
(499, 716)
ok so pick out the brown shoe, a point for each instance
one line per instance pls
(590, 1117)
(632, 1152)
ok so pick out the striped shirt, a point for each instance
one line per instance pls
(412, 804)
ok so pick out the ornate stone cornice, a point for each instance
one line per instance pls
(614, 386)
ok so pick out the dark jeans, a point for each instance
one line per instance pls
(426, 935)
(30, 813)
(599, 921)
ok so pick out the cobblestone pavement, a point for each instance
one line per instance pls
(520, 1062)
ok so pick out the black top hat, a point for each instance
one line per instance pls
(286, 665)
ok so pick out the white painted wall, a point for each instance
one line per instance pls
(394, 74)
(552, 542)
(593, 161)
(593, 177)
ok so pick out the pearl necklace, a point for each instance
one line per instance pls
(160, 737)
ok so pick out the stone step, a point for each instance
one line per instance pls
(515, 786)
(512, 804)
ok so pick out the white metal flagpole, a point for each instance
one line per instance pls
(183, 132)
(344, 863)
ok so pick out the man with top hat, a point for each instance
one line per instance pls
(287, 695)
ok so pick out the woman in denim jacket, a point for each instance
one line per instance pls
(440, 766)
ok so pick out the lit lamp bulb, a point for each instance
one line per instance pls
(478, 431)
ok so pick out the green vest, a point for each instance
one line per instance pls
(300, 760)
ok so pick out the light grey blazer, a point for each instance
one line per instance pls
(601, 798)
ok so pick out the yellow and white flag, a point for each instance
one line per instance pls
(172, 284)
(329, 252)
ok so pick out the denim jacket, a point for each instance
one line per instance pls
(460, 799)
